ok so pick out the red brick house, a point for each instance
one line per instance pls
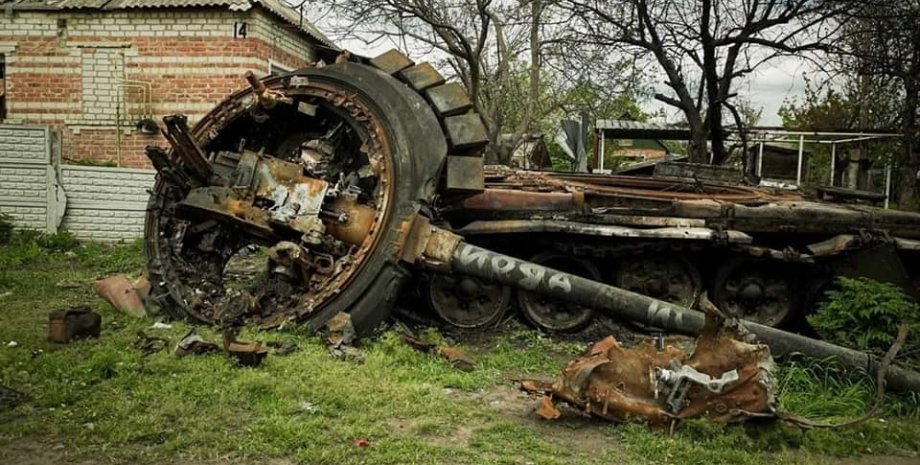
(95, 69)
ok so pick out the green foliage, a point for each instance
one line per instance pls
(6, 228)
(27, 246)
(858, 104)
(864, 314)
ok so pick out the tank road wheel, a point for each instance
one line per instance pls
(669, 278)
(758, 291)
(556, 315)
(320, 167)
(467, 302)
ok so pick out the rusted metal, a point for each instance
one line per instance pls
(599, 186)
(248, 354)
(73, 323)
(343, 173)
(267, 98)
(356, 224)
(121, 294)
(454, 356)
(602, 230)
(725, 380)
(186, 150)
(193, 344)
(620, 303)
(266, 197)
(492, 200)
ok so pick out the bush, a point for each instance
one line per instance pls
(864, 314)
(27, 245)
(63, 241)
(6, 228)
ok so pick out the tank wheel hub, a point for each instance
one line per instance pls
(467, 302)
(555, 315)
(758, 291)
(669, 278)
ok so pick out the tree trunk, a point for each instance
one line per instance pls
(713, 96)
(697, 150)
(907, 189)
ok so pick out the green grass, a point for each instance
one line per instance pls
(104, 397)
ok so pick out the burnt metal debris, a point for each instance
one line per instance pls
(725, 379)
(73, 323)
(340, 182)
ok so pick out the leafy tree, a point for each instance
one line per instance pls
(882, 43)
(855, 103)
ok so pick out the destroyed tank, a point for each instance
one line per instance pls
(339, 181)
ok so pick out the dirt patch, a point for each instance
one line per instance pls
(32, 452)
(26, 451)
(877, 460)
(457, 437)
(574, 430)
(507, 400)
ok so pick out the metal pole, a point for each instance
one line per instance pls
(798, 172)
(833, 162)
(887, 184)
(478, 262)
(760, 161)
(600, 160)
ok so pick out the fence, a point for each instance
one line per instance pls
(38, 192)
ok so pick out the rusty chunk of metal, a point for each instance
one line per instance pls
(456, 357)
(426, 244)
(121, 294)
(73, 323)
(249, 354)
(354, 220)
(518, 200)
(267, 98)
(725, 380)
(185, 148)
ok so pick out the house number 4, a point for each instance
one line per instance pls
(239, 30)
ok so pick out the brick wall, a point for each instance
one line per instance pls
(93, 75)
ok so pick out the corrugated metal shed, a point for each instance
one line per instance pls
(277, 7)
(628, 129)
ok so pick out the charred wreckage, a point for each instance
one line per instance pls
(344, 182)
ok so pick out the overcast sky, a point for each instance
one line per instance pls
(772, 84)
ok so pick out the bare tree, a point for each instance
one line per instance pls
(882, 43)
(491, 46)
(705, 46)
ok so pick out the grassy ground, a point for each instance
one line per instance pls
(102, 401)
